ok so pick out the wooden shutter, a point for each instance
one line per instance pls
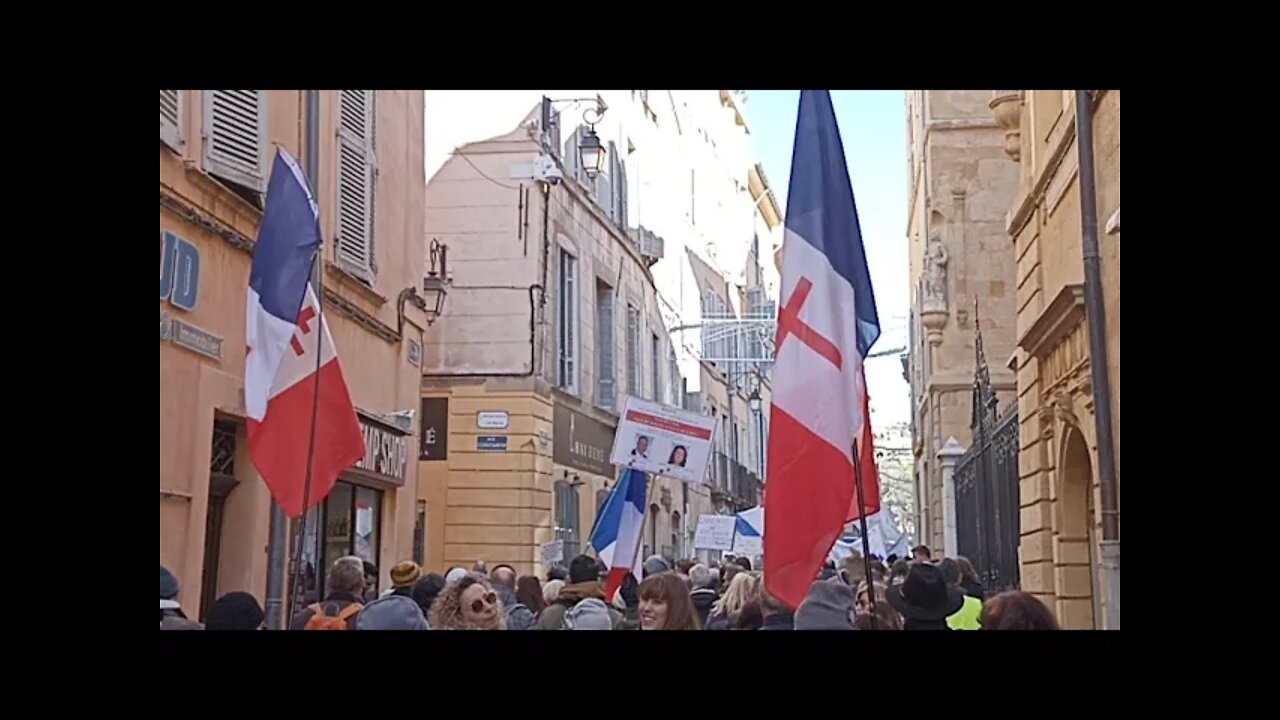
(606, 386)
(171, 118)
(355, 183)
(235, 136)
(571, 159)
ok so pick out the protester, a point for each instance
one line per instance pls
(629, 596)
(454, 575)
(827, 606)
(828, 570)
(469, 604)
(704, 594)
(171, 615)
(654, 565)
(969, 581)
(558, 572)
(969, 617)
(878, 571)
(370, 581)
(339, 608)
(403, 576)
(924, 599)
(743, 590)
(551, 591)
(665, 604)
(893, 558)
(921, 553)
(883, 614)
(518, 615)
(583, 584)
(730, 570)
(393, 612)
(235, 611)
(854, 571)
(425, 591)
(1014, 610)
(684, 566)
(898, 572)
(529, 594)
(479, 568)
(743, 562)
(777, 616)
(751, 617)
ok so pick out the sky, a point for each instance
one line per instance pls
(873, 129)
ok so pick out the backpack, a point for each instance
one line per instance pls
(321, 620)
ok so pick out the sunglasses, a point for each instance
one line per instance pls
(478, 605)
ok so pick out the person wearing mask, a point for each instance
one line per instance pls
(704, 593)
(584, 583)
(924, 600)
(235, 611)
(342, 604)
(171, 615)
(425, 591)
(777, 616)
(665, 604)
(518, 615)
(469, 604)
(1014, 610)
(827, 606)
(969, 617)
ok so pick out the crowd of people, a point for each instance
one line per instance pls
(919, 593)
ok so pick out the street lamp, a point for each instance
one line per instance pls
(592, 153)
(433, 285)
(754, 399)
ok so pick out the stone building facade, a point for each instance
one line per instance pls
(962, 270)
(1059, 487)
(216, 152)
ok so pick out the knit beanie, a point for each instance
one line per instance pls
(235, 611)
(827, 606)
(168, 584)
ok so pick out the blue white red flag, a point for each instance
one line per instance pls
(284, 333)
(617, 534)
(826, 325)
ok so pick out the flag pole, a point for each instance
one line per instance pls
(317, 282)
(866, 541)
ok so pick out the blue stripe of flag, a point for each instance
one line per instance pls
(288, 239)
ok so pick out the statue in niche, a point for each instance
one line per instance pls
(935, 274)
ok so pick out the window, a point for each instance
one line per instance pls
(349, 523)
(606, 370)
(566, 511)
(655, 364)
(633, 351)
(355, 183)
(420, 534)
(567, 317)
(235, 137)
(171, 118)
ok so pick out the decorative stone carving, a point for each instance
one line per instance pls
(1006, 105)
(935, 276)
(1045, 415)
(1064, 410)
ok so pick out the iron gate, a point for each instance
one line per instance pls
(986, 479)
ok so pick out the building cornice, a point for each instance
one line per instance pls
(1062, 315)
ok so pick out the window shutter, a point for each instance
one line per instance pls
(572, 160)
(235, 136)
(171, 118)
(355, 183)
(620, 187)
(606, 387)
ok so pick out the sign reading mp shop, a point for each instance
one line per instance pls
(180, 288)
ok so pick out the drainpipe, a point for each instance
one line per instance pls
(1096, 317)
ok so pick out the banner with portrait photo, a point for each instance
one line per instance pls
(663, 440)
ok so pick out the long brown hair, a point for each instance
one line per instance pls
(670, 589)
(529, 593)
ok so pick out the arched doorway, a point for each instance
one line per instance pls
(1075, 539)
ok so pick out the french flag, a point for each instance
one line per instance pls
(285, 332)
(617, 534)
(826, 325)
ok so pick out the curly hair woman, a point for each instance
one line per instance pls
(469, 604)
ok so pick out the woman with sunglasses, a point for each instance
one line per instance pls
(469, 604)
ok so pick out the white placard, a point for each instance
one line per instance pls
(715, 532)
(663, 440)
(748, 545)
(552, 552)
(493, 420)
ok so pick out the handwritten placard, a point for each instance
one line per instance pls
(552, 552)
(715, 532)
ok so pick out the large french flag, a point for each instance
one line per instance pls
(826, 325)
(617, 533)
(284, 333)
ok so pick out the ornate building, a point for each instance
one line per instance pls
(1061, 497)
(962, 267)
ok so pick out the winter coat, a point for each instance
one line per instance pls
(785, 621)
(172, 617)
(519, 617)
(703, 599)
(552, 617)
(338, 600)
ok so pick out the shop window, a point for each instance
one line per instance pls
(566, 516)
(349, 523)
